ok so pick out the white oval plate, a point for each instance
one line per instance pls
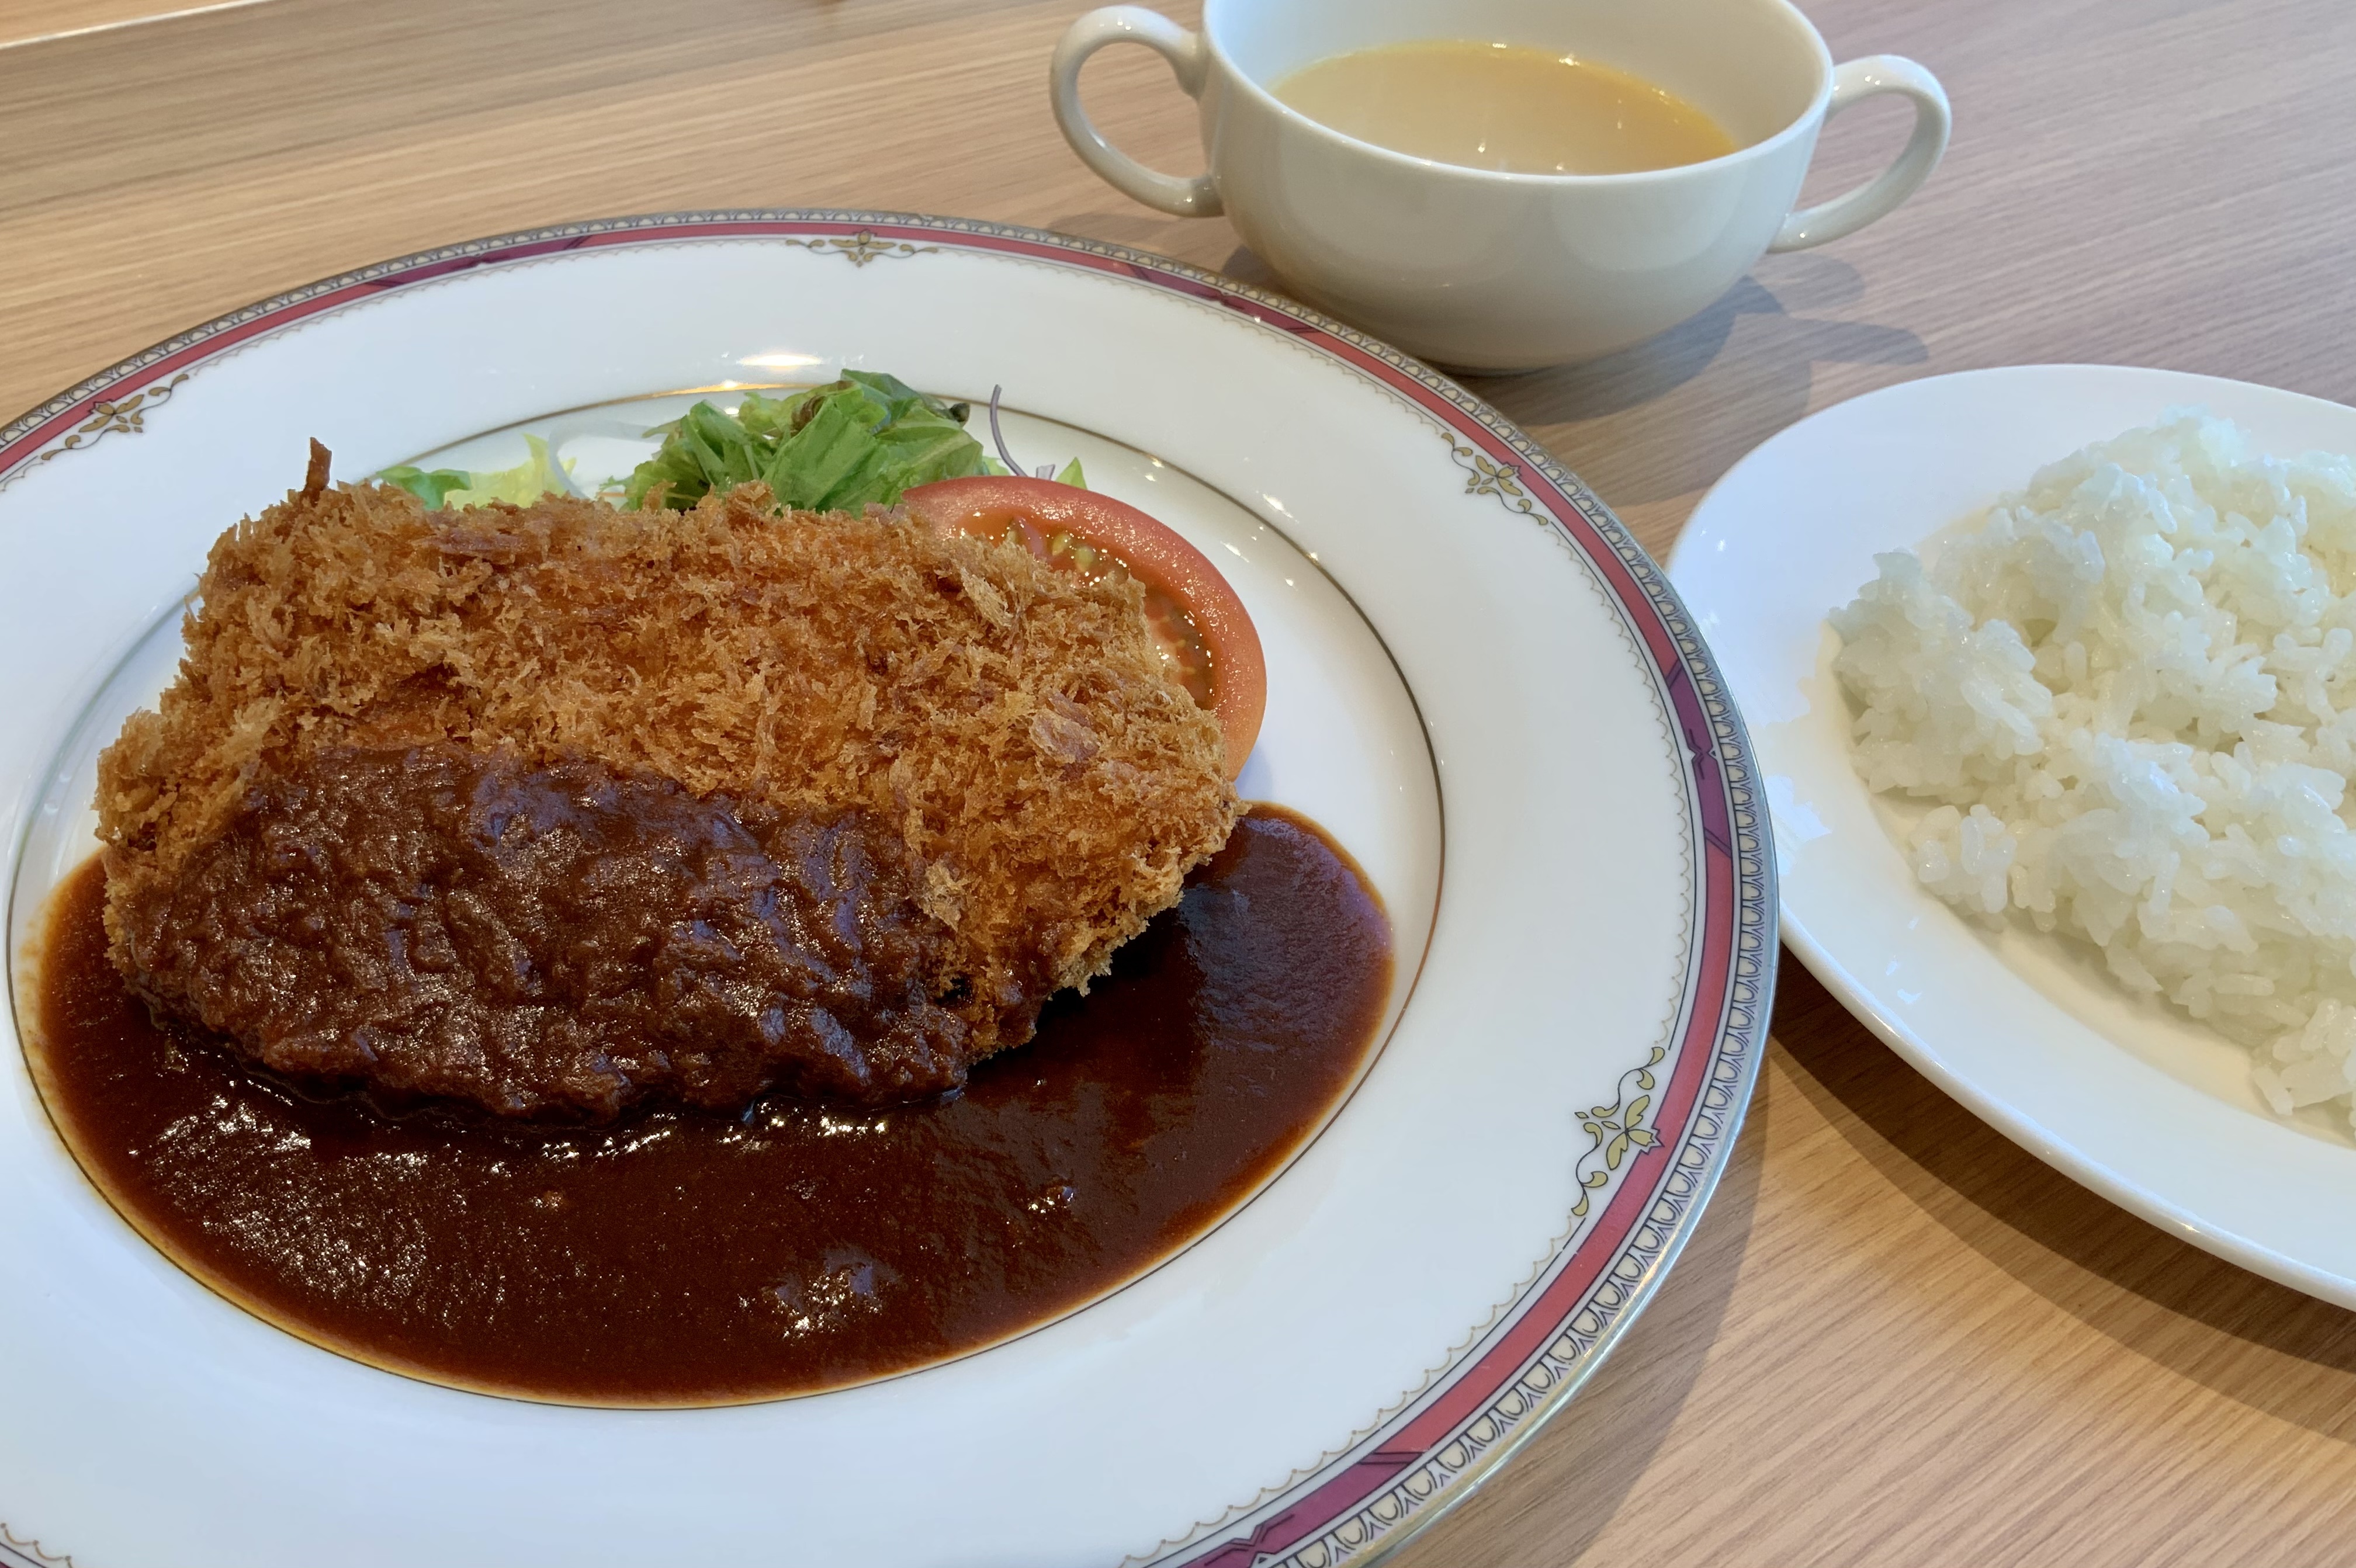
(1465, 650)
(2141, 1105)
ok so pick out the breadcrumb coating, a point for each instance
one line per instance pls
(1052, 785)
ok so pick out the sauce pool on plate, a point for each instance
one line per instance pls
(1504, 107)
(681, 1257)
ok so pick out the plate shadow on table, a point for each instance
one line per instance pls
(1554, 1498)
(2122, 1276)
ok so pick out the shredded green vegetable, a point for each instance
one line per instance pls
(868, 437)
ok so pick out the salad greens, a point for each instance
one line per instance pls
(427, 487)
(525, 482)
(866, 438)
(835, 448)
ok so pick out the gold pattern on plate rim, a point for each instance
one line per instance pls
(1486, 476)
(863, 247)
(1616, 1128)
(126, 416)
(31, 1547)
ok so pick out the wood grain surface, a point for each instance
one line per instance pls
(1896, 1339)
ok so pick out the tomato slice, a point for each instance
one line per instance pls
(1193, 612)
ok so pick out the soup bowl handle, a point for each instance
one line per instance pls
(1854, 83)
(1190, 59)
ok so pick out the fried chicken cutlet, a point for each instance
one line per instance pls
(555, 809)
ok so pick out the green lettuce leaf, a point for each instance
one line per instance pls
(866, 438)
(527, 482)
(427, 487)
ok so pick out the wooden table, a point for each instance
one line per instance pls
(1896, 1337)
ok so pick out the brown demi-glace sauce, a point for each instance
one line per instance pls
(684, 1257)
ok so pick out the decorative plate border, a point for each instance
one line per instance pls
(1366, 1498)
(19, 1553)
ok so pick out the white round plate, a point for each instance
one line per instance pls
(2139, 1103)
(1466, 654)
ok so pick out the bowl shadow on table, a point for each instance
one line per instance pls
(1198, 241)
(2161, 1297)
(1667, 417)
(1670, 416)
(1553, 1501)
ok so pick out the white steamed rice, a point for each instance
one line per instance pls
(2131, 689)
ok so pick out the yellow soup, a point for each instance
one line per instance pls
(1505, 107)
